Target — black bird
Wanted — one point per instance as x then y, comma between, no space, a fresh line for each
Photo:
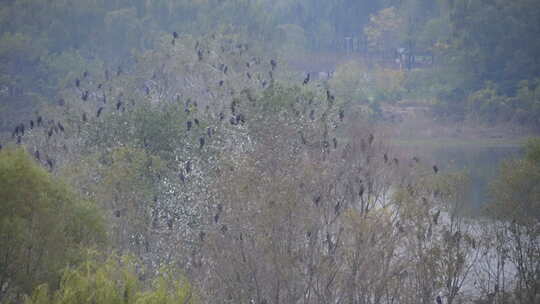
196,121
216,218
263,84
31,124
36,155
84,117
240,119
39,121
118,105
329,96
224,229
99,111
117,213
225,69
61,127
209,132
199,55
50,163
335,142
50,132
85,74
248,75
201,142
326,144
341,115
188,167
77,82
371,138
233,121
416,159
385,156
202,235
435,169
189,124
361,191
312,115
316,200
439,300
84,95
100,86
337,207
221,116
182,177
436,217
233,107
175,35
306,80
221,83
273,63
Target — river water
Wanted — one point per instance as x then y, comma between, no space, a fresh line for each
481,163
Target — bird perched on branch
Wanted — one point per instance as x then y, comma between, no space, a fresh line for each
436,217
201,142
306,80
370,139
273,63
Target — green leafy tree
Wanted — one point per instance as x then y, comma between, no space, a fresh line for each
515,210
43,225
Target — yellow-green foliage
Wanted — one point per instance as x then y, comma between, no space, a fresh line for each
43,224
354,82
533,150
351,82
383,30
516,191
114,281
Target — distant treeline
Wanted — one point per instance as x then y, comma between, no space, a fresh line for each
486,51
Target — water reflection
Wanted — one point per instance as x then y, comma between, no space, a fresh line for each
481,163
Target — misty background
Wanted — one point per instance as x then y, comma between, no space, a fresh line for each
237,151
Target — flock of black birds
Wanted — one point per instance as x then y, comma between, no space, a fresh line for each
49,129
83,90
